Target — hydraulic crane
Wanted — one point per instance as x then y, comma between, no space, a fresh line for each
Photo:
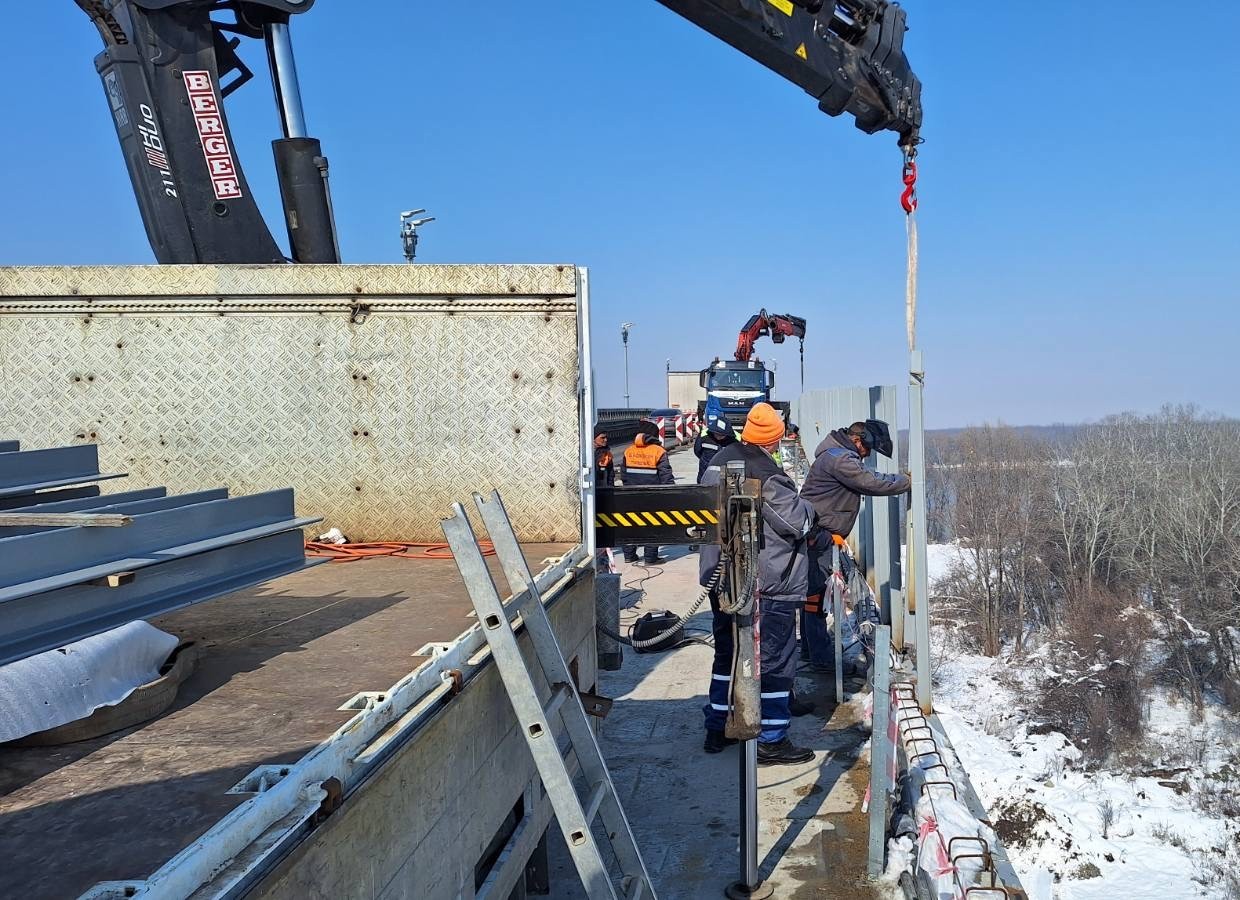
167,66
764,323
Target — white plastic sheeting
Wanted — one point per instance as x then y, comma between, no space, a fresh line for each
70,683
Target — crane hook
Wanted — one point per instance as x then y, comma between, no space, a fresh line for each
908,199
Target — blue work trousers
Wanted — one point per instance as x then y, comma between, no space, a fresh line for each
778,663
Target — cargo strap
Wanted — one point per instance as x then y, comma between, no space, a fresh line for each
563,707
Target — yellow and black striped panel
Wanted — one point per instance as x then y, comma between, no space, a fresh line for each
658,514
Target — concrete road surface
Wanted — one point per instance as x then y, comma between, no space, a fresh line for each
682,803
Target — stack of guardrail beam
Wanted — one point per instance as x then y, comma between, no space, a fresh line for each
621,424
60,583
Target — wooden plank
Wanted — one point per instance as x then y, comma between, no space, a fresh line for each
65,519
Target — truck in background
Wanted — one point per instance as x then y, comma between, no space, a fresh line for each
685,391
732,388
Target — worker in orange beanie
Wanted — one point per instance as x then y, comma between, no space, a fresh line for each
783,578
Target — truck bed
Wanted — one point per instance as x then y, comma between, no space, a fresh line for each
278,662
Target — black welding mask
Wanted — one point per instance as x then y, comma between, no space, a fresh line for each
878,437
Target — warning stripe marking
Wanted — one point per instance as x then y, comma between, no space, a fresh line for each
658,518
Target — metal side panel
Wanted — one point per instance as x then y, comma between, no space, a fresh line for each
383,393
168,282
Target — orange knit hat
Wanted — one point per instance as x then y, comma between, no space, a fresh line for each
763,425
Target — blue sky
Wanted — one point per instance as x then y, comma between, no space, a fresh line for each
1079,185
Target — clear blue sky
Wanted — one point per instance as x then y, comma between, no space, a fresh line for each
1079,185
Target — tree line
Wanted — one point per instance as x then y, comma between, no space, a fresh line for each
1116,549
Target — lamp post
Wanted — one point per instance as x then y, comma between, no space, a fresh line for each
624,336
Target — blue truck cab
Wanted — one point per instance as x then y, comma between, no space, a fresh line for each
733,387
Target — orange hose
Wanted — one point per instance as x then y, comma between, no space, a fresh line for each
397,549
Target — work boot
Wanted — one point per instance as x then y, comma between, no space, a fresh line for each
782,753
798,707
630,559
653,561
717,741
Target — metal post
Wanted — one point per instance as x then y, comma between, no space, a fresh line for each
586,416
837,610
750,885
880,751
284,79
917,550
624,336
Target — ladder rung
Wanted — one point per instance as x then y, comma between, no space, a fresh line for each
559,694
596,800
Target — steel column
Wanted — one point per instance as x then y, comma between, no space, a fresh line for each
917,550
880,751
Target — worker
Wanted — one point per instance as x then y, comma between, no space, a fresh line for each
783,570
604,462
645,463
718,434
837,481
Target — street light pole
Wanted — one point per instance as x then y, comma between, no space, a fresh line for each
624,336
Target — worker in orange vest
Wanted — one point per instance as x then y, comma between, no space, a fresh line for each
645,463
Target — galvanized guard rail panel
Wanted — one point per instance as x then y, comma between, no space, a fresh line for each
819,412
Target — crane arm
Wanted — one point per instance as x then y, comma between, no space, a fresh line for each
764,323
164,60
847,54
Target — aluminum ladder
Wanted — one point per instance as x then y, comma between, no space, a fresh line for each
533,717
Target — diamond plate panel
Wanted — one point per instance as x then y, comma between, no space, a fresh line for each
287,281
379,425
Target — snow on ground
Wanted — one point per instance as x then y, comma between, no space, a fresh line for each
1051,813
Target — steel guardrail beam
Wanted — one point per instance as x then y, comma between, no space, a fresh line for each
28,471
37,622
50,560
31,501
155,500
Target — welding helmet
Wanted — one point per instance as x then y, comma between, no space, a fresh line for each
874,434
877,437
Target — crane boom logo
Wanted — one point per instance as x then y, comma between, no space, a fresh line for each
210,123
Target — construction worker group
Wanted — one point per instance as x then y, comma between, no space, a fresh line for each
795,563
